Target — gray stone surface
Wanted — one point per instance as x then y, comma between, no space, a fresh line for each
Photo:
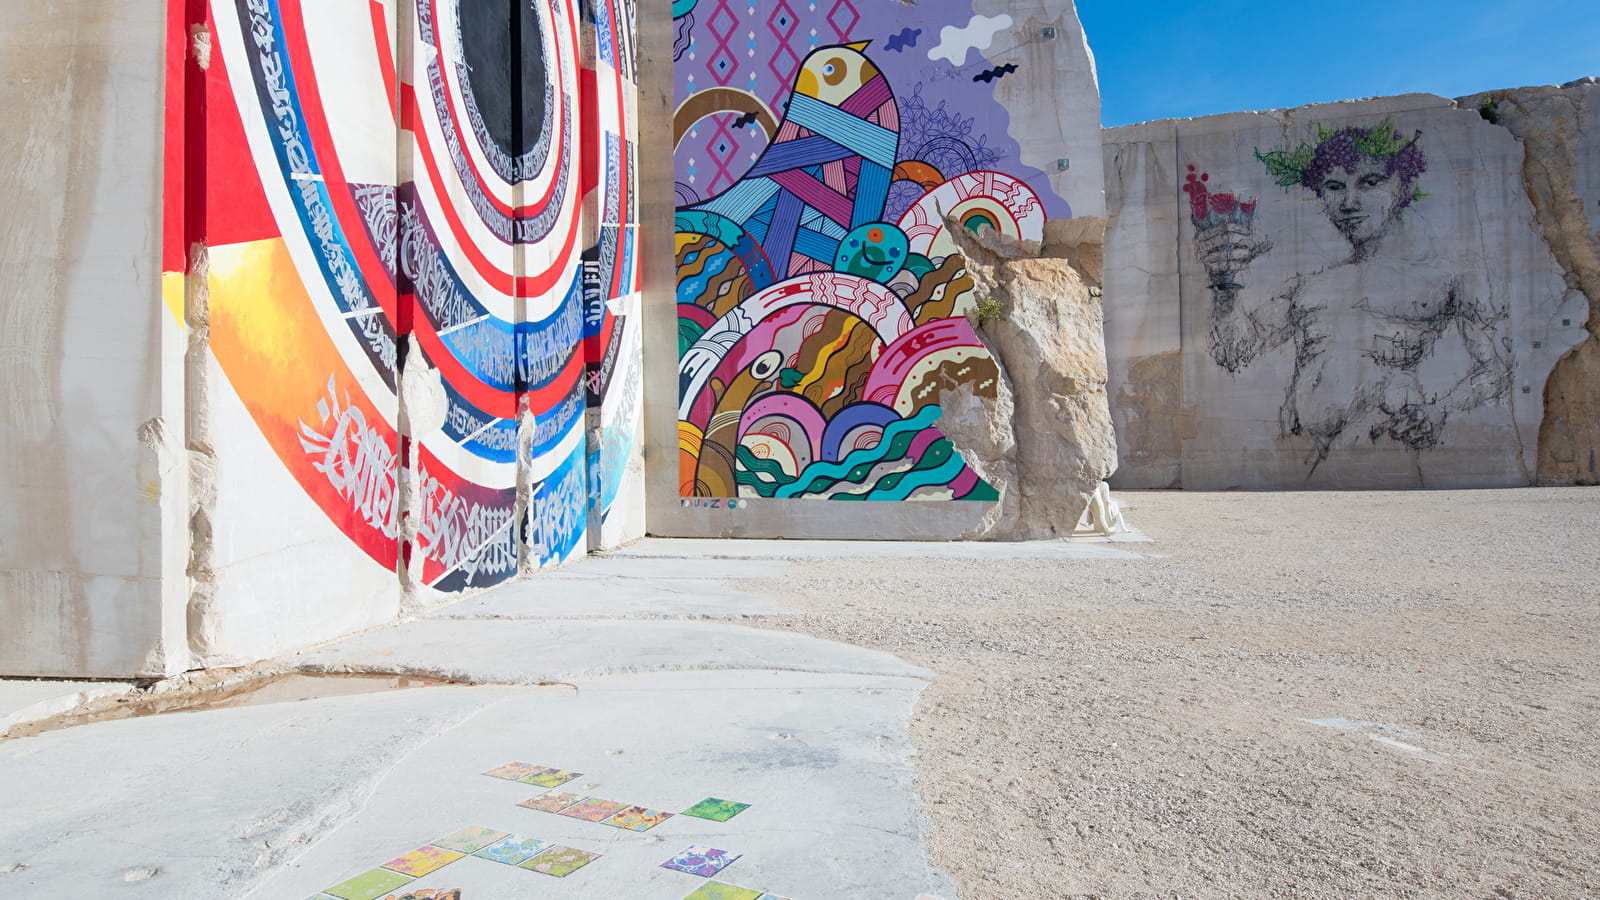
1047,443
1298,352
91,505
525,652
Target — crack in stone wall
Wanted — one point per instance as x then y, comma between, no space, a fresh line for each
203,614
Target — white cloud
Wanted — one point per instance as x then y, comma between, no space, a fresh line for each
955,44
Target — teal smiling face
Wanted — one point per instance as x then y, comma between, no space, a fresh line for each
877,251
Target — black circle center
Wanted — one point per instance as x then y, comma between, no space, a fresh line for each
504,52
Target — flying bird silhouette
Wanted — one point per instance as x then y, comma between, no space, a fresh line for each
825,175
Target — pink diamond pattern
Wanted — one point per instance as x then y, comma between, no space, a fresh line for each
844,18
783,23
723,65
722,146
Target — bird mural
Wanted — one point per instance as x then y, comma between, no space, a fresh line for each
816,335
824,176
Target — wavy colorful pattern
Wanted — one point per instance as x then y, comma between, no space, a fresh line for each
821,302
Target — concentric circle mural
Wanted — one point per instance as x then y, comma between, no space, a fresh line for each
418,223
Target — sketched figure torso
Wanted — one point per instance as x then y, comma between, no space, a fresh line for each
1370,365
1386,345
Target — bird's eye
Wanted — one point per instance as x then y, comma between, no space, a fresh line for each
828,69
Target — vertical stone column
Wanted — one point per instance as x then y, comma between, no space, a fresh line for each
93,539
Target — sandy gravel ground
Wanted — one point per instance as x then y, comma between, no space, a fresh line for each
1130,729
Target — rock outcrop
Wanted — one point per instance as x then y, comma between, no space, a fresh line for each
1047,441
1556,126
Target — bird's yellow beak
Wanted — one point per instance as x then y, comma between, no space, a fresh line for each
859,46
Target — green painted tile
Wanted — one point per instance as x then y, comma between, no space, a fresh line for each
370,885
716,810
423,861
716,890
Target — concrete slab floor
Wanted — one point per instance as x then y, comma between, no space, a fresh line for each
288,799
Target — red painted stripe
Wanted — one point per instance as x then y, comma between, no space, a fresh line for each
174,151
525,286
488,398
385,47
496,277
236,201
316,123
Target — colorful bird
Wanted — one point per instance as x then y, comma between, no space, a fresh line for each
821,181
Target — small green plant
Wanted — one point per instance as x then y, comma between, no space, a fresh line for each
990,310
1489,109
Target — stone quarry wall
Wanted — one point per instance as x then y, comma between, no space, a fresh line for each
91,364
1398,292
350,324
858,183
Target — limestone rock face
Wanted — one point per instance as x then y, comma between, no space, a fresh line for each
1048,443
1561,167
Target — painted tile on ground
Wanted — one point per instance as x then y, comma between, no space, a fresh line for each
369,885
702,861
470,839
551,801
422,860
515,770
771,897
429,894
513,850
637,818
715,809
549,778
560,861
716,890
591,810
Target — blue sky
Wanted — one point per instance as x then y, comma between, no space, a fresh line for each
1164,59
